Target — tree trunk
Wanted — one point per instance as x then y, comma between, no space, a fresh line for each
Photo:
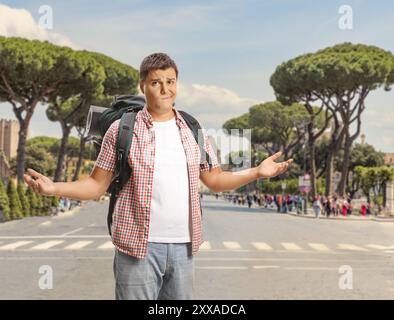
313,171
67,162
22,135
80,158
329,174
62,152
21,151
312,160
332,150
345,166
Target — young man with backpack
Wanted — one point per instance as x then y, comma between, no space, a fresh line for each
156,226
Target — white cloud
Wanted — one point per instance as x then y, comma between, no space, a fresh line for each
212,105
20,23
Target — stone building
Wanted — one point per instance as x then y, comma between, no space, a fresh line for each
8,145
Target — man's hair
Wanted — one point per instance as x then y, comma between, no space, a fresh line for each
156,61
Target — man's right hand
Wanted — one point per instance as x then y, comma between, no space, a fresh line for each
40,184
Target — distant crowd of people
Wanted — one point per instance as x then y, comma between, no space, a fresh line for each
336,205
322,206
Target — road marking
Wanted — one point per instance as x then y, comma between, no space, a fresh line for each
14,245
289,246
47,245
379,247
107,245
205,246
311,268
231,245
348,246
68,233
78,245
55,237
261,246
223,268
266,267
319,247
45,224
103,242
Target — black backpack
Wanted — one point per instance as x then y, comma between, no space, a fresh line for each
125,108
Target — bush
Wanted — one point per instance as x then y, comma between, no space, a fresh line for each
47,201
15,204
24,200
55,201
40,205
4,202
32,198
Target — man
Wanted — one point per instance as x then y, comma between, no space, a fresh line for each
157,219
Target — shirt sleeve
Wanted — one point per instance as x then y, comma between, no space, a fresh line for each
107,157
211,152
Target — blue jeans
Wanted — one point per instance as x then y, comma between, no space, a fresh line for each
166,273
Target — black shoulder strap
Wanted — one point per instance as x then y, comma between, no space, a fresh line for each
122,169
195,127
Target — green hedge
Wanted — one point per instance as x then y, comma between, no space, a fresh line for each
4,202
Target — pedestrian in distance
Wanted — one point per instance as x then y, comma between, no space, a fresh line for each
317,207
249,200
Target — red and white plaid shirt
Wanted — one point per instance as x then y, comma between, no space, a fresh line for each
130,226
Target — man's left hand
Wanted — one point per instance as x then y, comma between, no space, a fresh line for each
269,168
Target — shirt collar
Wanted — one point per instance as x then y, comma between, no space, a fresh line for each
147,117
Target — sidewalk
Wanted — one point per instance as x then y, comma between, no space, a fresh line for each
352,217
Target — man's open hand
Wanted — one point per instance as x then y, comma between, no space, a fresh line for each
40,184
269,168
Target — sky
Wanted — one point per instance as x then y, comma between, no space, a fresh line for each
225,50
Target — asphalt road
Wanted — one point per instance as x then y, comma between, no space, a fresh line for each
247,254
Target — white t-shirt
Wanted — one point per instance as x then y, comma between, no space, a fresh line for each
169,217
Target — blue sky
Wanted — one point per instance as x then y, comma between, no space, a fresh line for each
225,50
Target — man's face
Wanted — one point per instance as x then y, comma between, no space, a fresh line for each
159,88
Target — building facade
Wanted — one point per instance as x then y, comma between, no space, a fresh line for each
9,130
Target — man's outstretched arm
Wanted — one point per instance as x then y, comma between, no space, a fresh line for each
218,180
90,188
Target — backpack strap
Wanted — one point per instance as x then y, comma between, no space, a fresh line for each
122,168
195,127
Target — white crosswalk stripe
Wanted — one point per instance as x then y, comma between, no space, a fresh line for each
205,246
15,245
379,247
290,246
266,267
107,245
78,245
232,245
352,247
47,245
35,244
262,246
45,224
319,247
